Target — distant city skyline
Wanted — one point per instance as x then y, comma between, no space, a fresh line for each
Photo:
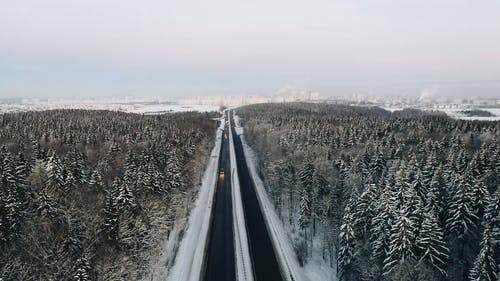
93,48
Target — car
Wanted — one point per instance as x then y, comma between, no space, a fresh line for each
221,173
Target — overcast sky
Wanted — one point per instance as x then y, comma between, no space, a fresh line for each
207,47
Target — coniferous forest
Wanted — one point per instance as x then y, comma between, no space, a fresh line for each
92,195
408,195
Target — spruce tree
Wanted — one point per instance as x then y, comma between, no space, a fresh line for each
485,267
82,270
401,245
110,215
430,243
347,242
461,217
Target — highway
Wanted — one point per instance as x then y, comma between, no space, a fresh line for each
220,256
220,261
265,264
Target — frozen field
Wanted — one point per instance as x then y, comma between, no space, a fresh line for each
125,107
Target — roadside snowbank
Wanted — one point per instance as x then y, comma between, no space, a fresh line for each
188,262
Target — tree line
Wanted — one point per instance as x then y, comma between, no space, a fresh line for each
409,195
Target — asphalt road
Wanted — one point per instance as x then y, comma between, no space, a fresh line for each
266,267
220,263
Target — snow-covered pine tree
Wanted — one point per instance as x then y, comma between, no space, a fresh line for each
110,216
173,171
306,175
304,210
54,172
430,243
82,270
306,178
10,215
377,164
381,224
461,218
364,211
492,216
347,242
401,245
480,196
485,267
125,198
419,186
96,179
436,197
428,170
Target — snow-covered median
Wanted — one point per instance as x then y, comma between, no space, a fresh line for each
188,263
244,270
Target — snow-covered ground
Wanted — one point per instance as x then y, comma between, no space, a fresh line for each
145,108
316,269
458,113
189,258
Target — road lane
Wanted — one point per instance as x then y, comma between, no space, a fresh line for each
265,264
220,263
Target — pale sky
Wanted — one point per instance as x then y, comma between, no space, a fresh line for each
178,48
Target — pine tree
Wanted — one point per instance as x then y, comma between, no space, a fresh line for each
419,186
401,245
82,270
306,175
436,198
480,196
492,216
485,267
306,178
365,209
13,215
95,179
431,164
125,198
381,225
54,172
430,242
173,171
304,209
347,242
461,216
377,164
110,214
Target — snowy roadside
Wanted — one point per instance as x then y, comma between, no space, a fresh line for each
188,262
244,270
315,268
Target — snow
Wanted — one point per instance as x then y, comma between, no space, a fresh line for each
243,262
238,129
457,113
315,269
142,108
188,264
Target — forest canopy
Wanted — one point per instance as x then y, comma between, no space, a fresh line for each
409,195
92,195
